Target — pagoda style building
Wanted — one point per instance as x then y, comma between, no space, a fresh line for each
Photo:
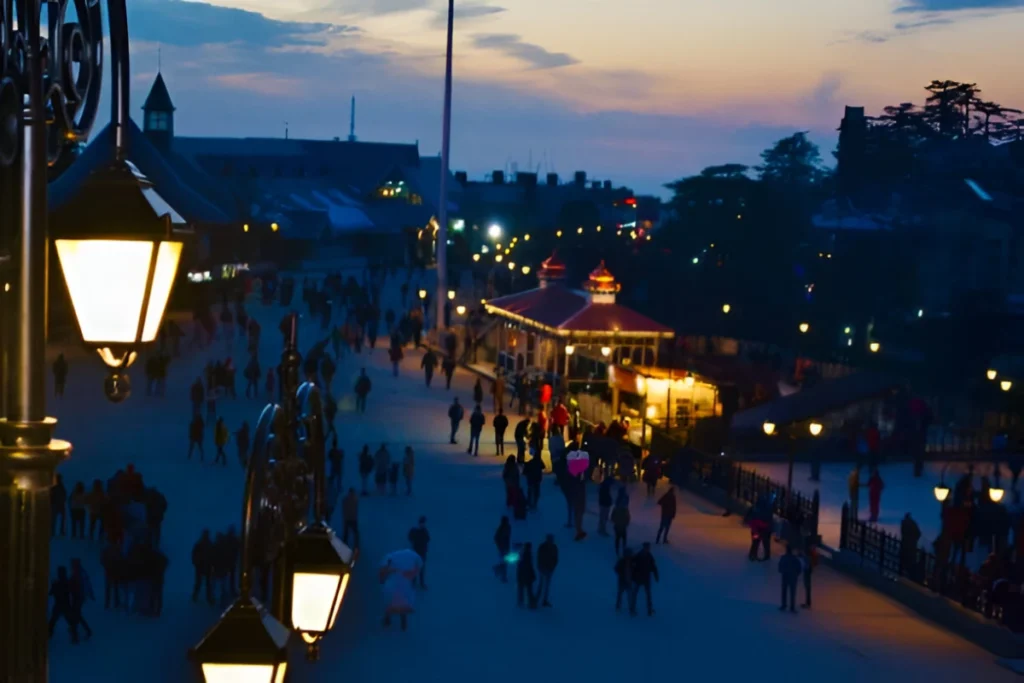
546,326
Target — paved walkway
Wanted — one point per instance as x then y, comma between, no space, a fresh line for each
717,613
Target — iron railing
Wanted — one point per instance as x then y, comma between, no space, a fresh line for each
883,551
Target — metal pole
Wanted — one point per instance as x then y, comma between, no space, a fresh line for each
28,457
442,213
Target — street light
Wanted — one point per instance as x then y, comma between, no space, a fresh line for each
274,227
874,347
526,237
494,231
726,308
815,428
476,257
769,428
320,574
995,493
606,351
422,294
1005,385
558,233
941,493
451,295
991,374
526,270
569,349
511,265
247,645
460,309
804,327
579,230
498,258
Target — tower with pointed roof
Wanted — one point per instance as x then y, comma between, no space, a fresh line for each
602,285
158,115
552,270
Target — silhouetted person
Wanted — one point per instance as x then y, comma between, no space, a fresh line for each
350,518
500,424
58,507
503,542
789,568
547,560
525,576
624,573
419,539
195,436
455,415
60,591
429,364
521,432
202,562
476,428
644,567
363,386
667,503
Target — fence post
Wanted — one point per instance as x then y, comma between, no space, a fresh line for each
844,525
883,538
815,505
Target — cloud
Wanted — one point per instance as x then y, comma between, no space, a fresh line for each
958,5
377,7
261,83
534,55
465,12
175,22
924,22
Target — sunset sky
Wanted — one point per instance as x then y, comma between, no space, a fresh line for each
640,92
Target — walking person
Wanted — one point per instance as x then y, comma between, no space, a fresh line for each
362,388
525,576
604,504
195,436
77,507
419,539
533,471
448,368
500,424
408,469
350,518
60,591
620,519
81,592
789,568
202,564
395,355
429,364
809,564
455,415
366,467
503,542
579,505
521,433
644,567
220,439
476,427
498,392
58,507
478,392
667,503
335,458
547,561
624,574
381,465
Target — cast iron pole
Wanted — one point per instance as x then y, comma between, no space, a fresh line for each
442,213
28,456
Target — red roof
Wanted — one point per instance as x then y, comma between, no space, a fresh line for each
612,318
550,306
563,309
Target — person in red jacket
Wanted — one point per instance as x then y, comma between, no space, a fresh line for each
559,419
545,395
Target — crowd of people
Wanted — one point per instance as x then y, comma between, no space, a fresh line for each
125,517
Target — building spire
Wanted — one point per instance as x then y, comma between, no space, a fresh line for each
352,121
159,59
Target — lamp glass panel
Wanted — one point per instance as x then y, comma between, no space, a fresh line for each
107,283
337,603
281,668
311,600
168,255
239,673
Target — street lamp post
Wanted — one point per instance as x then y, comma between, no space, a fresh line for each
310,566
442,210
49,97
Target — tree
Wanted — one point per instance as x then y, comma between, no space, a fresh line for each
793,161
